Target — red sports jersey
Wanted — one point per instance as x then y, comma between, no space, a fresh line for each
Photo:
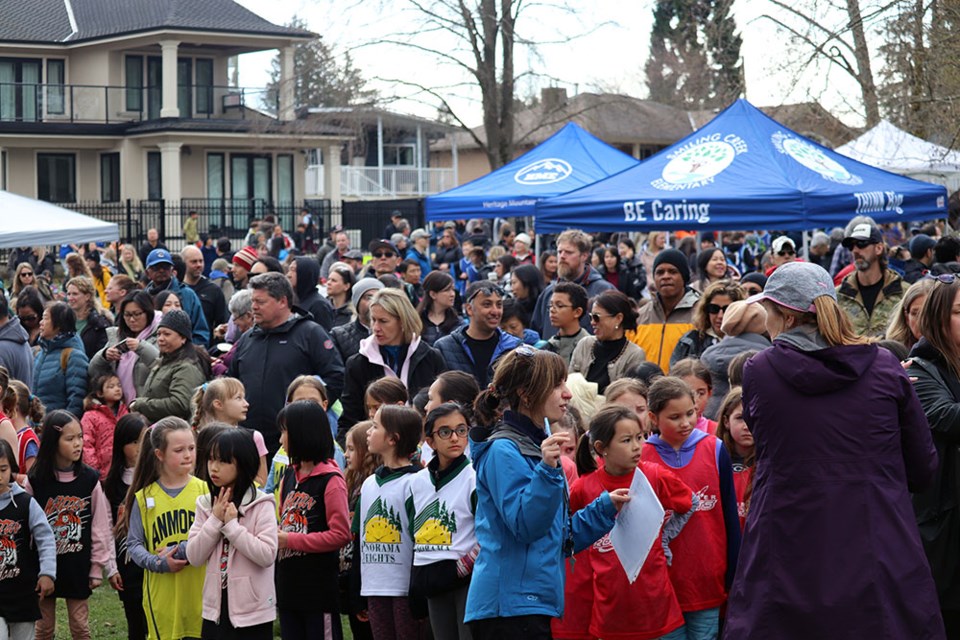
700,551
741,480
648,608
577,601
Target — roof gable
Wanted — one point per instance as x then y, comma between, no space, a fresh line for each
48,21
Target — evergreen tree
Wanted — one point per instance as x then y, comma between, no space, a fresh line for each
694,58
322,78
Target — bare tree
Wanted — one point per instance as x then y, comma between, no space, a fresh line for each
480,39
843,43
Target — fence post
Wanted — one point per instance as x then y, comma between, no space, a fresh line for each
163,221
130,223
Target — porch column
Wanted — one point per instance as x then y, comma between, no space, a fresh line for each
169,108
170,172
287,106
331,174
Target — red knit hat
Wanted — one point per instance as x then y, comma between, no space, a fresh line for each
245,258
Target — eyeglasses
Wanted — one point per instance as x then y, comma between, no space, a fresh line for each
715,308
163,266
596,317
486,288
132,315
786,252
945,278
444,433
384,254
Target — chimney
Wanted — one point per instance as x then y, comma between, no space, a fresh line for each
553,98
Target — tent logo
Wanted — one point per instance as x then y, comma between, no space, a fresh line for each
546,171
696,165
813,158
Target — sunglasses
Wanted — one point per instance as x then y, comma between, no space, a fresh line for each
26,273
29,318
859,244
945,278
596,317
486,289
715,308
384,254
786,252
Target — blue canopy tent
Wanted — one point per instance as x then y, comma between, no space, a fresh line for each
567,160
743,170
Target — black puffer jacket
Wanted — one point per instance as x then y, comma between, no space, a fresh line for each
308,298
347,337
94,334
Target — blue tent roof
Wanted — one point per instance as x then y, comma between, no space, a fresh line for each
743,170
567,160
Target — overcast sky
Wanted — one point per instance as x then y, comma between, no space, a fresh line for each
611,58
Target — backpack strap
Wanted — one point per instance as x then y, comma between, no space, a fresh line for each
64,358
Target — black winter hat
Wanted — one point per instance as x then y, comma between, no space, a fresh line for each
177,320
675,258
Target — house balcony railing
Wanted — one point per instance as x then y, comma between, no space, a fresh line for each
97,104
383,182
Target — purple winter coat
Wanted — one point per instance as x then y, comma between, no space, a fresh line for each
831,547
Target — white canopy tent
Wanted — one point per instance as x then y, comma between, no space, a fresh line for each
892,149
25,222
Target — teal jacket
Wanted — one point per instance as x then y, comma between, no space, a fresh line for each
522,524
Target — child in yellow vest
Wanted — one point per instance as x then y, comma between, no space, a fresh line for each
160,509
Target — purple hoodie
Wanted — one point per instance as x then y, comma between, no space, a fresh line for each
831,547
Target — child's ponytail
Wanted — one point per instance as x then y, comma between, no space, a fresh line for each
197,406
586,462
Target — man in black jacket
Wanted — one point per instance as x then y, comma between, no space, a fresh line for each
281,346
212,302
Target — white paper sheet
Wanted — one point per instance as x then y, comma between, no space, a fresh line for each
637,527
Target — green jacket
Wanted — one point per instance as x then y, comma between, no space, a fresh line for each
871,325
169,387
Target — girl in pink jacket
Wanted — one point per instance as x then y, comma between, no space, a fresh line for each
235,535
101,410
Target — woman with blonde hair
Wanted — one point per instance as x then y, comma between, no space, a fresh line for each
92,323
130,263
77,266
24,276
841,443
394,348
905,324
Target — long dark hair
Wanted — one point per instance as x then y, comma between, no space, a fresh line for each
143,300
236,446
532,279
129,429
435,282
308,432
44,468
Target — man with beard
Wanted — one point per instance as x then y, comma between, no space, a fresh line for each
573,265
870,295
669,315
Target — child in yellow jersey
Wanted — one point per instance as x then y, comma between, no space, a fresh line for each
160,509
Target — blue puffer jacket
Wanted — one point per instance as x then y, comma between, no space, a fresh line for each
521,525
56,388
457,354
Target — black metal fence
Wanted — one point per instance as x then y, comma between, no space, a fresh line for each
232,218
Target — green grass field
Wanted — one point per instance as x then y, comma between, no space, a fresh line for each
107,620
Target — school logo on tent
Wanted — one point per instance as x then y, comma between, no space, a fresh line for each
813,158
696,164
434,526
546,171
382,524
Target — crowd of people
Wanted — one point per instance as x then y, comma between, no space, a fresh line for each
434,438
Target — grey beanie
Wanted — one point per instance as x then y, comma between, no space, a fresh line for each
362,286
177,320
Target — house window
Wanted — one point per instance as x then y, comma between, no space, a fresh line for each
56,77
204,85
19,84
110,177
185,87
57,177
400,155
133,70
154,176
216,180
284,179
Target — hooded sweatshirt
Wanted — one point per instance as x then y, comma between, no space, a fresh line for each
15,352
308,298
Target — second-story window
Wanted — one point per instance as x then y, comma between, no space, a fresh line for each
133,74
204,77
56,78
